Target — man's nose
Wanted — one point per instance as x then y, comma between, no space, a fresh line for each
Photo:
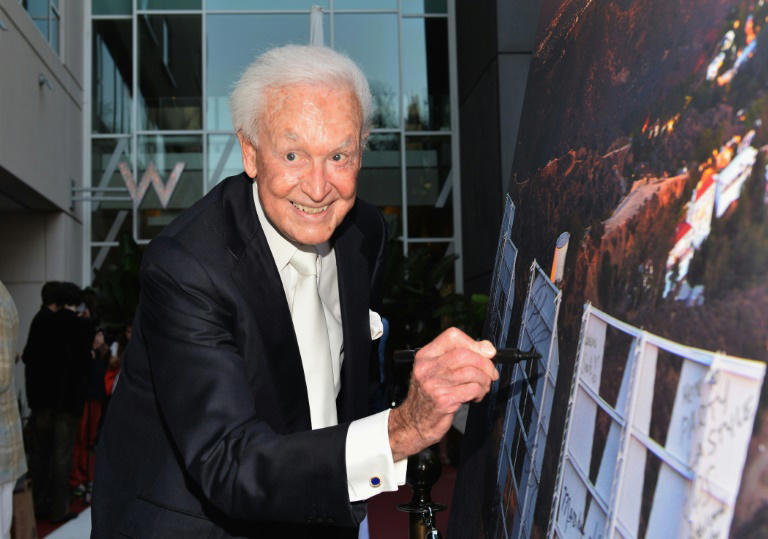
316,184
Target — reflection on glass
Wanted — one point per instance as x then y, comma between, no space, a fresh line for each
368,4
111,7
169,4
109,224
428,177
110,256
425,6
54,37
233,41
287,5
170,72
379,180
371,41
112,82
108,158
110,218
432,255
38,11
171,168
426,102
223,158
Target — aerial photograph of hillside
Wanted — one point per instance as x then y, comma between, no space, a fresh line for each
644,135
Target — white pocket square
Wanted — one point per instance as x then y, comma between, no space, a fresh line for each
377,327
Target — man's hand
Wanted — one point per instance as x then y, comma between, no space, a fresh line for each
451,370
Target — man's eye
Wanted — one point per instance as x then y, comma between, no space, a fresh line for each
290,156
337,157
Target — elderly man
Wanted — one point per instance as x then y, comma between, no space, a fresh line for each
241,405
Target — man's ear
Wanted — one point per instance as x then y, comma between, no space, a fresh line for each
248,152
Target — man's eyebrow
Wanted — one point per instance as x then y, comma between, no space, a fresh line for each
290,135
349,141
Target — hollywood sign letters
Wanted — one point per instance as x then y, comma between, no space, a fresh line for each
699,464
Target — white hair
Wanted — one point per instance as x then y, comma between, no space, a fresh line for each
294,64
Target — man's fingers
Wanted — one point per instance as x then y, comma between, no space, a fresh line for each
453,348
446,400
453,369
470,374
444,387
454,338
456,362
472,391
461,359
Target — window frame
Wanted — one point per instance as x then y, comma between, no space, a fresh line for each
453,243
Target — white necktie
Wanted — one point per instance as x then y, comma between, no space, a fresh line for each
312,335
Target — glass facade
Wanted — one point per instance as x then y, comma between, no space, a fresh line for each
46,16
161,134
112,75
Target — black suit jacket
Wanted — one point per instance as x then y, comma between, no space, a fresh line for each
57,357
208,433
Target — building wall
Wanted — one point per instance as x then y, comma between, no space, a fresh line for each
37,247
495,43
41,138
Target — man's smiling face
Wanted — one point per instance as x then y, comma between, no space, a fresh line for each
308,154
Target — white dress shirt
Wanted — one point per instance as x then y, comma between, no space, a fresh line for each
370,468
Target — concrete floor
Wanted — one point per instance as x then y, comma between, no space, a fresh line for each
77,528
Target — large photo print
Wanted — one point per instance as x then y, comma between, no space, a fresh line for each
644,136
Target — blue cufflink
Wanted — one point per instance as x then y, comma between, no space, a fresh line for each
375,482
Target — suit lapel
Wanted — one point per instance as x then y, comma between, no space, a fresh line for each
353,295
256,276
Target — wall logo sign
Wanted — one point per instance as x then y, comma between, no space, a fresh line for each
151,177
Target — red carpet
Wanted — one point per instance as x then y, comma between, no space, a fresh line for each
386,522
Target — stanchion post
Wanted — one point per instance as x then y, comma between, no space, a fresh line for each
424,470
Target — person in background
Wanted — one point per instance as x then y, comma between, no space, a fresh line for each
56,358
40,346
40,351
13,464
112,374
95,393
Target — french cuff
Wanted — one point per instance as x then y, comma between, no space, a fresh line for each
370,468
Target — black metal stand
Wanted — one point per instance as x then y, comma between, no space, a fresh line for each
424,470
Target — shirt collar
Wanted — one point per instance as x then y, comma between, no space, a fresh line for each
281,248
